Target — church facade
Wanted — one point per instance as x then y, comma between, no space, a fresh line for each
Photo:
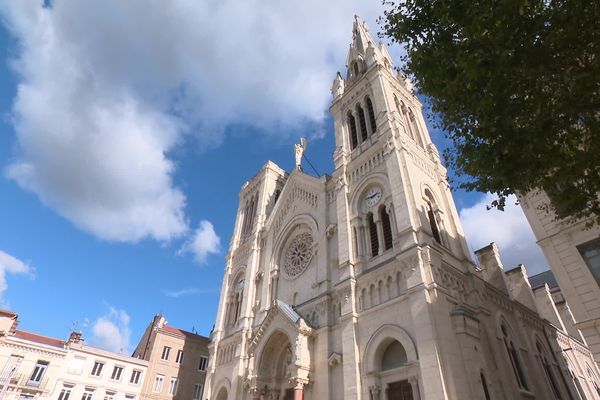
360,285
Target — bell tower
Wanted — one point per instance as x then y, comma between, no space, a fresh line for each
395,211
385,157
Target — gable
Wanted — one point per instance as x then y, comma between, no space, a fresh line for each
301,191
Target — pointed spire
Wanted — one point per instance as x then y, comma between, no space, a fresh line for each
363,51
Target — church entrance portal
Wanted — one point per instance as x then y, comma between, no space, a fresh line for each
399,391
275,368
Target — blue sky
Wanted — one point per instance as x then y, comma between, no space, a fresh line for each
127,131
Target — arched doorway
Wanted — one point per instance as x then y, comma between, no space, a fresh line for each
275,368
394,356
391,365
222,394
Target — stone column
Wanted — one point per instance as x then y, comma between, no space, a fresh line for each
299,390
374,392
390,212
414,383
359,240
379,225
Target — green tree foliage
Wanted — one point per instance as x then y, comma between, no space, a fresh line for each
516,86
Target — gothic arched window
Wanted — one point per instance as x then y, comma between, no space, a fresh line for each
435,230
373,235
387,228
548,370
371,113
414,126
405,117
249,214
236,296
352,131
355,68
593,379
363,122
513,357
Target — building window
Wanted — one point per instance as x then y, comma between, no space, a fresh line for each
590,252
548,370
135,376
414,125
65,393
593,379
373,235
514,358
352,131
371,113
109,396
249,214
362,121
88,394
355,68
38,373
165,353
179,358
431,215
97,368
158,383
197,391
129,397
173,387
116,374
387,228
203,364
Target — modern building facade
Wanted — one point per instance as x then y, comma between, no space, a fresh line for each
573,251
178,361
360,285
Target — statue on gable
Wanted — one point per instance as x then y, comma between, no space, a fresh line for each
299,149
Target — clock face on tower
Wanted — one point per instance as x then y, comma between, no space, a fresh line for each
373,196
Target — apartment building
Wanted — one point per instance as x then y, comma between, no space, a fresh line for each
30,363
90,373
178,361
572,249
35,366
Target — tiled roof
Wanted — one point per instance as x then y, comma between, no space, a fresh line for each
34,337
547,277
8,313
182,332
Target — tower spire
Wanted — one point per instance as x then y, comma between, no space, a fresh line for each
364,51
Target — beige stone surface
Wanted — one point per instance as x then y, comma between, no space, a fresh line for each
385,297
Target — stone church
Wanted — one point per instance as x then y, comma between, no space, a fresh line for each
360,285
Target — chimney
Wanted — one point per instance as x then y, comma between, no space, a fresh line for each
75,338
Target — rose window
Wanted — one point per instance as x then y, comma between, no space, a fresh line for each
298,255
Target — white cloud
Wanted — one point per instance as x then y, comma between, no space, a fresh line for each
10,265
107,89
509,229
112,332
203,242
188,291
